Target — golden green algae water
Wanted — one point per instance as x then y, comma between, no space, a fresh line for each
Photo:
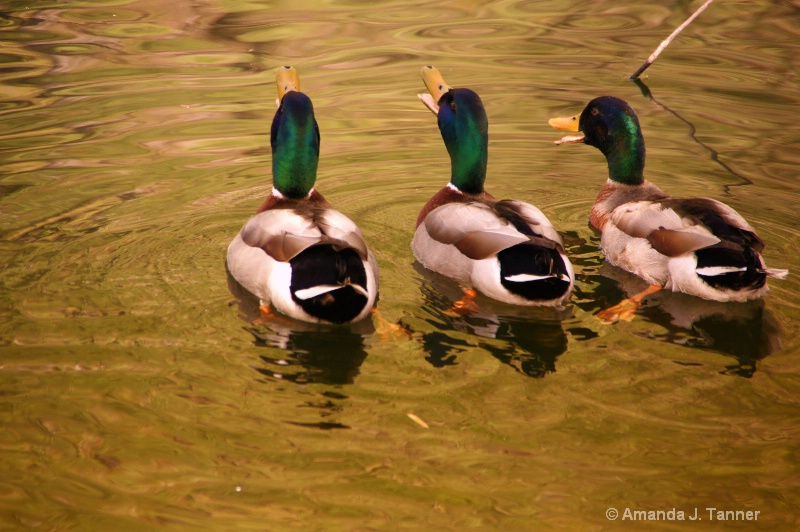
135,392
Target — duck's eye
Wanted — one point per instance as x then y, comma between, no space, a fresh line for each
453,106
595,111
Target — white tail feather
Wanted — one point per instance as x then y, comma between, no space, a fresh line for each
718,270
777,273
314,291
721,270
526,277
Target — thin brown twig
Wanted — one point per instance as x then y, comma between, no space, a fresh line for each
668,40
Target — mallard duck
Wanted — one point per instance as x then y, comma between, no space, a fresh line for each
297,253
508,249
699,246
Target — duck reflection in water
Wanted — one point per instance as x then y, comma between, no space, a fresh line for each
529,339
745,331
312,353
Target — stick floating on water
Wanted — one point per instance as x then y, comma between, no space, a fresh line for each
668,40
418,420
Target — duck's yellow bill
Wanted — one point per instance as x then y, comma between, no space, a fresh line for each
435,84
287,80
567,123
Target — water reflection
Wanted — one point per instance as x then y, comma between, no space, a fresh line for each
310,353
746,332
309,357
102,100
528,339
692,132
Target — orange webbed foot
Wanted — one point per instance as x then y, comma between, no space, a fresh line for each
267,315
387,330
626,309
465,305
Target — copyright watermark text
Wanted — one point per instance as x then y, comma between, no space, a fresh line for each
695,514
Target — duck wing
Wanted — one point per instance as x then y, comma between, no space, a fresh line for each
665,225
340,230
285,233
475,229
720,219
534,222
281,233
480,230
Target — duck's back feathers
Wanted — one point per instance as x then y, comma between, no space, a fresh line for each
640,218
507,249
674,243
706,247
282,233
450,194
475,229
312,258
720,219
535,222
338,227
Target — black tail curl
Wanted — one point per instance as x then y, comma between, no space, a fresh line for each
752,277
529,258
323,265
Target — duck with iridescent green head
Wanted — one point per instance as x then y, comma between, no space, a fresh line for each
698,246
297,253
508,249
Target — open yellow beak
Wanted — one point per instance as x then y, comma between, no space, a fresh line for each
567,123
436,86
287,79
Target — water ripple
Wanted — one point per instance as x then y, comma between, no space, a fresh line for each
136,143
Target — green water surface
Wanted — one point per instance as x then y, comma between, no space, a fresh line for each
136,393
